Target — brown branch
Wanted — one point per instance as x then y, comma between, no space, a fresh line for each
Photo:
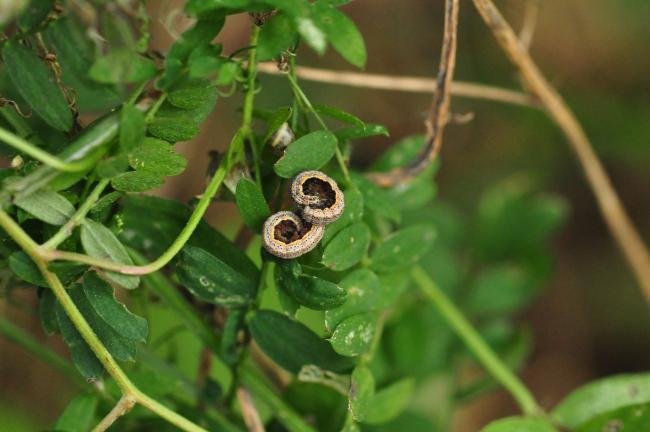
531,13
409,84
611,207
439,112
123,406
249,411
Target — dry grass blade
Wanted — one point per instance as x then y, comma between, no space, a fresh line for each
610,205
439,112
409,84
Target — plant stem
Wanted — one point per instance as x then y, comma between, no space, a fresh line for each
249,98
475,343
123,406
158,284
95,344
66,230
27,341
42,156
339,156
169,254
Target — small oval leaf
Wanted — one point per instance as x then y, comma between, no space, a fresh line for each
309,152
353,336
252,205
214,281
100,242
292,345
348,247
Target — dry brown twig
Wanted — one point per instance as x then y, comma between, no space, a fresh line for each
531,13
410,84
610,205
439,112
249,411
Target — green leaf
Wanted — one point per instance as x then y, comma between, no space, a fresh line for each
310,291
165,220
121,348
519,424
363,290
27,270
629,418
78,415
500,290
339,114
389,402
277,35
362,389
292,345
47,306
400,154
74,52
122,66
34,14
341,32
356,132
37,85
200,34
173,129
601,396
47,205
514,222
198,7
157,157
276,120
136,181
99,242
231,346
312,34
348,247
132,128
403,248
212,280
251,204
191,95
353,212
375,198
83,358
309,152
113,166
354,335
115,314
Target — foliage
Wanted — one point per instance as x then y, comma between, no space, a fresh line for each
345,325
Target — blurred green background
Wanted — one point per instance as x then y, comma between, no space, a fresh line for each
590,320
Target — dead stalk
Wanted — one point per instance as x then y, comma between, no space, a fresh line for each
612,209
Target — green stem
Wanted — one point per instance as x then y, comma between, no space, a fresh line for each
155,107
249,99
159,285
112,368
42,156
66,230
27,341
298,91
169,254
485,355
